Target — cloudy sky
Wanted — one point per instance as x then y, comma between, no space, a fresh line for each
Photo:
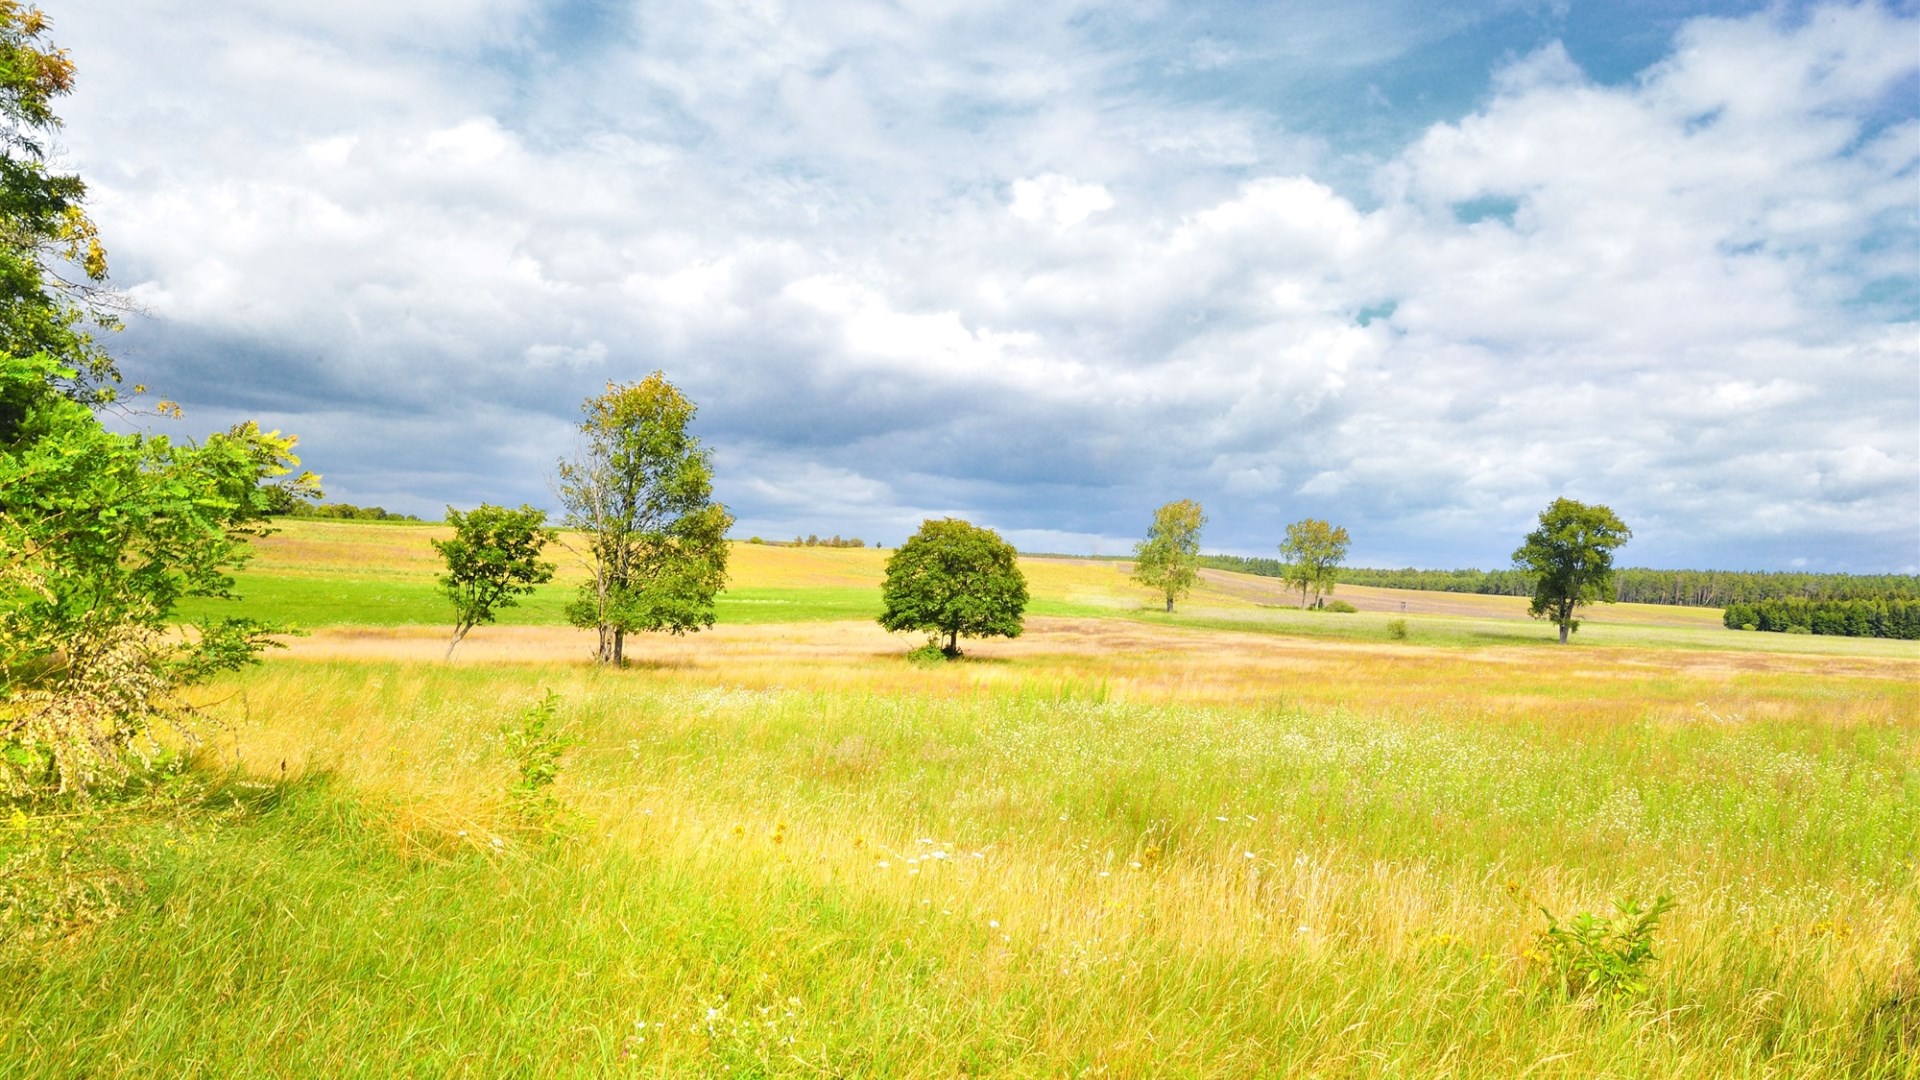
1414,268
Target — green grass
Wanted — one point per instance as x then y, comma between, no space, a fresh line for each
392,600
1271,843
1016,869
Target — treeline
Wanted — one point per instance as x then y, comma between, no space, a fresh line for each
1836,618
1494,582
811,540
341,512
1685,588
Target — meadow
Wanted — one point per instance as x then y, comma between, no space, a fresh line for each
1242,840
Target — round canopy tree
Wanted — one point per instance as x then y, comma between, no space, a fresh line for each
954,579
1570,557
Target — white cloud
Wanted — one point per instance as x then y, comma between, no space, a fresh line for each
923,261
1058,200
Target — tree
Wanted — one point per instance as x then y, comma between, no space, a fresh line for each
52,265
101,534
1570,557
1169,558
957,579
641,489
492,561
1313,553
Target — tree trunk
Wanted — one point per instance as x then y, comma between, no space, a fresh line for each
459,633
1563,633
619,646
1169,605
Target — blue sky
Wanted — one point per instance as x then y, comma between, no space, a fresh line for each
1417,269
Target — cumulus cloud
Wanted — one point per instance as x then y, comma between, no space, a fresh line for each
982,260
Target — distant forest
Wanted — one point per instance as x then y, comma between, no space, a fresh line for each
1840,618
1686,588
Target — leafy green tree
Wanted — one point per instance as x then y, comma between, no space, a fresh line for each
101,534
1313,552
641,490
1169,558
53,268
957,579
492,560
1570,557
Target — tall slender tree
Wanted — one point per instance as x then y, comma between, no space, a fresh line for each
1169,558
640,489
1313,552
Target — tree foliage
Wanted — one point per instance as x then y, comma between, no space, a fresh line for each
641,489
1313,552
955,579
1880,617
1570,557
52,265
1169,558
102,535
492,560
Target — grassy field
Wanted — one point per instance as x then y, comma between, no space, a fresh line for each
1239,841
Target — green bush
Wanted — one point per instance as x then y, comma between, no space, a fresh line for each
1605,957
1397,629
929,654
534,747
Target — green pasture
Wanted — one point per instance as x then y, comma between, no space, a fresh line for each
1030,878
1264,843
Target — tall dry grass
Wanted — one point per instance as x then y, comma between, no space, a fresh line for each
1162,853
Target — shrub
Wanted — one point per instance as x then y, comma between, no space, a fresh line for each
1605,957
1397,629
534,747
929,654
1339,607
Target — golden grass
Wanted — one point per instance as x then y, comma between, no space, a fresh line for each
1192,852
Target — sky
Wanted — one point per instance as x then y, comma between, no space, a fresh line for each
1414,269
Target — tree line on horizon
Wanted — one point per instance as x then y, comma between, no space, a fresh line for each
1881,618
1632,585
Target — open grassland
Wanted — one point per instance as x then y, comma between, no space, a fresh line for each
341,574
1240,841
